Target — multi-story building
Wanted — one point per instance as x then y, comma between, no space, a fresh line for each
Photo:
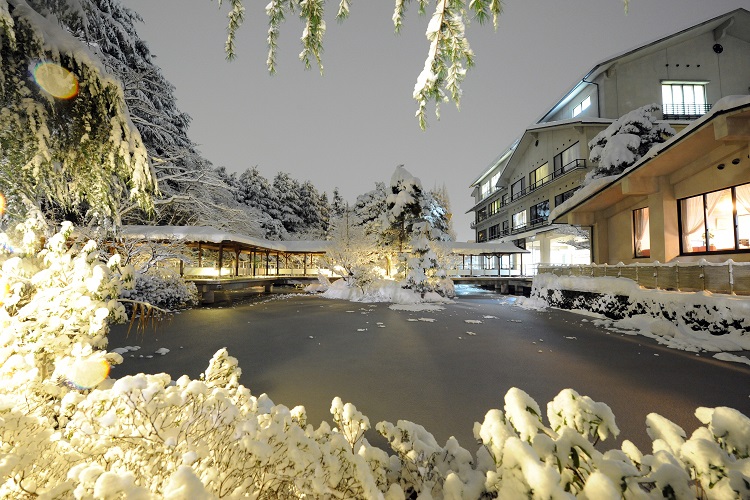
685,72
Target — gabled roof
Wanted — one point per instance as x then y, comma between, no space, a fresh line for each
694,141
735,23
205,234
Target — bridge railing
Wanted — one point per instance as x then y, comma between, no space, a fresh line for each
728,277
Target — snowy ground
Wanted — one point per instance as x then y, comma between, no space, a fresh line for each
443,368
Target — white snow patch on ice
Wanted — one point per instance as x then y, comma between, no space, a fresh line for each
725,356
416,307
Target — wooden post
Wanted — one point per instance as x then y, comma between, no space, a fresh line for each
221,257
268,260
200,255
236,261
304,264
277,263
182,268
253,261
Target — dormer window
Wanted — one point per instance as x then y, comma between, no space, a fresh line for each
684,100
582,106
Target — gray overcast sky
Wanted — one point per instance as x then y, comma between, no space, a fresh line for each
351,127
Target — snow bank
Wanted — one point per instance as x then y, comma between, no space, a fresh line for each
382,290
690,321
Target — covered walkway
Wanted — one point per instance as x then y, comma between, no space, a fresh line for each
220,254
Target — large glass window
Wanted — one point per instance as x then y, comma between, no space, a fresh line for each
716,221
641,235
519,220
560,198
540,212
539,176
505,227
567,160
683,99
516,189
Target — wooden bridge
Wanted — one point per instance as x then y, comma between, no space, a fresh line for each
229,262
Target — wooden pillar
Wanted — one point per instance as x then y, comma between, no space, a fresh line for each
236,261
200,255
268,260
499,258
221,257
304,264
252,260
286,263
463,262
471,265
277,263
182,268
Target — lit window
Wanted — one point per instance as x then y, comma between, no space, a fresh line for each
519,220
717,221
581,107
539,176
684,99
641,236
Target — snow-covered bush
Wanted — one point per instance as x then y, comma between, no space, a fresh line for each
67,431
163,289
627,140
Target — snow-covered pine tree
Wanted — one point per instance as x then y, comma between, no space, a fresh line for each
370,208
290,204
627,140
338,205
313,210
254,191
403,204
190,190
436,211
423,271
67,142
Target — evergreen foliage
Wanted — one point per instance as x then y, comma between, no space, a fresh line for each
67,142
627,140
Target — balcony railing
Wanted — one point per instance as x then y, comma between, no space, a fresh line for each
565,169
684,111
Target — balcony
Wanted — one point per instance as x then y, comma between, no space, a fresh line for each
684,111
564,170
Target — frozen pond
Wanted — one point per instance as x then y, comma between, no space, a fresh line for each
442,369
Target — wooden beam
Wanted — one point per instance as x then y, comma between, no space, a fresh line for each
732,128
639,185
581,219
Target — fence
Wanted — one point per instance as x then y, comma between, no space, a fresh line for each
729,277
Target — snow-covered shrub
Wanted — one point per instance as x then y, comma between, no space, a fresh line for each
672,316
627,140
163,289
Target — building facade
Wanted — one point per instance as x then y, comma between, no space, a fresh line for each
688,202
685,72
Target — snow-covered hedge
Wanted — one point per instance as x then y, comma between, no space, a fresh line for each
684,320
68,431
163,289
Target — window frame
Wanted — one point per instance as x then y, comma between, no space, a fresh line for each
582,106
525,223
682,109
706,227
645,232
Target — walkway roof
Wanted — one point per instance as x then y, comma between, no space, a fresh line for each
214,237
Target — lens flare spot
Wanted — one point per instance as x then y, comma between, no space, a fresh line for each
88,373
56,80
2,204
